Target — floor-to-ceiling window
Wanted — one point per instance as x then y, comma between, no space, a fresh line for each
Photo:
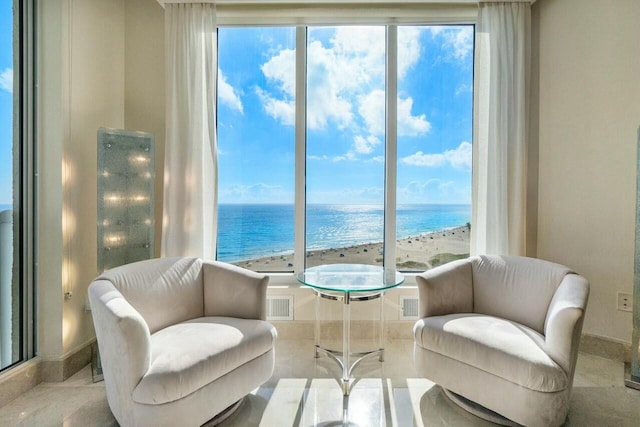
16,157
347,145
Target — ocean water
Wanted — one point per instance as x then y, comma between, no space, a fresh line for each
254,231
5,207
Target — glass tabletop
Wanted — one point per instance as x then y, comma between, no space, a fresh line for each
350,278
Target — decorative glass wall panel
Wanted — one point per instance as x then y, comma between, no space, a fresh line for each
125,197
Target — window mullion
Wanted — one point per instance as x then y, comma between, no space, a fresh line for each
300,149
390,162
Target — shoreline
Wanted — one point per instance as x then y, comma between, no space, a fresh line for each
417,253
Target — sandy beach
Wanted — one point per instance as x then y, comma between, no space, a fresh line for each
415,253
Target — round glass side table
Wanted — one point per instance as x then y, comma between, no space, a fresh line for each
349,283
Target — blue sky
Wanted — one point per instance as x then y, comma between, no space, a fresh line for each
6,100
345,115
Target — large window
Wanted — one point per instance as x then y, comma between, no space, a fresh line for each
15,170
337,112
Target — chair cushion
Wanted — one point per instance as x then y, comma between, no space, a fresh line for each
188,356
500,347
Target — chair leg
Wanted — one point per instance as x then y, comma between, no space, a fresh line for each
224,414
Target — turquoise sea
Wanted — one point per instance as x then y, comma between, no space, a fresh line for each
254,231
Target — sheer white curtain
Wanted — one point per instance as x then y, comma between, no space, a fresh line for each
189,211
501,126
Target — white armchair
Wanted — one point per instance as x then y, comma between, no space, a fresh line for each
181,340
503,333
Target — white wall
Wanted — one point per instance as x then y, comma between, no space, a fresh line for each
144,83
51,119
88,78
81,87
589,113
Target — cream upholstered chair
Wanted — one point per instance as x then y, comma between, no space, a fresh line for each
502,333
181,340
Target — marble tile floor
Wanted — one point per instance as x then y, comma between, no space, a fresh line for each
304,392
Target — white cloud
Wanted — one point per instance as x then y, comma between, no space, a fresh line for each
350,155
282,110
436,29
6,80
459,157
458,40
461,41
359,54
420,187
372,109
349,66
281,69
345,85
426,160
334,76
408,48
366,145
228,94
409,125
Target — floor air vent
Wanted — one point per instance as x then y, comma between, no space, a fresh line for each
280,307
408,308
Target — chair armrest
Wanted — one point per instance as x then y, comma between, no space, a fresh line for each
446,289
563,324
233,291
123,339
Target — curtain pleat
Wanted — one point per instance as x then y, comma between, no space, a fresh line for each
501,128
189,204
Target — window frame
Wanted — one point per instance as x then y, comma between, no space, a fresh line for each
24,187
28,208
390,15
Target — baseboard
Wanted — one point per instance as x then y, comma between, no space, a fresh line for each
27,375
19,380
68,365
605,347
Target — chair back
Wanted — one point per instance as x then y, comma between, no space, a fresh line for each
515,288
165,291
